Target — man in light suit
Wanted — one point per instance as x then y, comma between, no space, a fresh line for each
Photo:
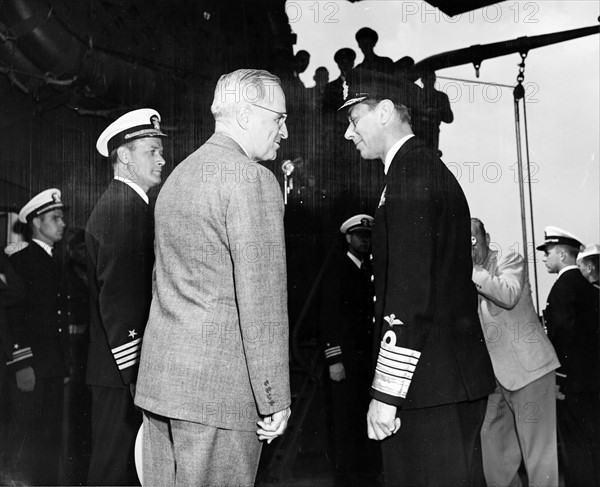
119,239
215,355
521,413
433,372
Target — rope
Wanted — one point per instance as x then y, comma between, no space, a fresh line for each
519,94
535,274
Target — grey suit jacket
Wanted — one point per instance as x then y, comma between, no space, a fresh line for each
519,348
215,349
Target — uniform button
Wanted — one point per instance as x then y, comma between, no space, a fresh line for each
59,312
68,296
59,330
373,319
374,299
372,278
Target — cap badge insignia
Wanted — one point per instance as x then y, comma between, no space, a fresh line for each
56,197
155,122
345,90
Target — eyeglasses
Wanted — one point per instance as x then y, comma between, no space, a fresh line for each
280,119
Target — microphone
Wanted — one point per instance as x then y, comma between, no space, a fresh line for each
288,168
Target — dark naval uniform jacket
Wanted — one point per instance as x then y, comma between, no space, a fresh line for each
346,312
432,349
12,293
119,241
571,317
38,327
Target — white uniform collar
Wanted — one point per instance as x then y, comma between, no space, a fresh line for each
135,187
354,259
47,248
393,151
565,269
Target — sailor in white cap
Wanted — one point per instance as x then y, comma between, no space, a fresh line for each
587,261
41,344
119,241
558,236
347,331
571,317
48,200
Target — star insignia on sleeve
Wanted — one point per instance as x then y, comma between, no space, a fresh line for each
392,320
132,333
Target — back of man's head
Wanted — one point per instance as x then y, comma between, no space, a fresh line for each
477,226
570,253
301,61
590,267
244,85
366,34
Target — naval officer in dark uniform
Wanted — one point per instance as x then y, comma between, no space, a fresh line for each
119,241
433,372
571,317
40,358
347,331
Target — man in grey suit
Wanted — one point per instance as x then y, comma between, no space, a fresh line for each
214,361
521,414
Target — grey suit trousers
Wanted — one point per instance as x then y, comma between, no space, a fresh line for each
521,424
183,453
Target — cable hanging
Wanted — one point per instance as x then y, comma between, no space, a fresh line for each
519,94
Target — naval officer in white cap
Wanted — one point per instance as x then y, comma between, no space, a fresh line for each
588,263
347,329
571,316
41,346
119,241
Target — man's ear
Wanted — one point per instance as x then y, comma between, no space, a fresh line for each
36,222
487,239
385,110
123,155
242,116
348,237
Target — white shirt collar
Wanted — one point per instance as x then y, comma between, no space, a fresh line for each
354,259
135,187
565,269
47,248
393,151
